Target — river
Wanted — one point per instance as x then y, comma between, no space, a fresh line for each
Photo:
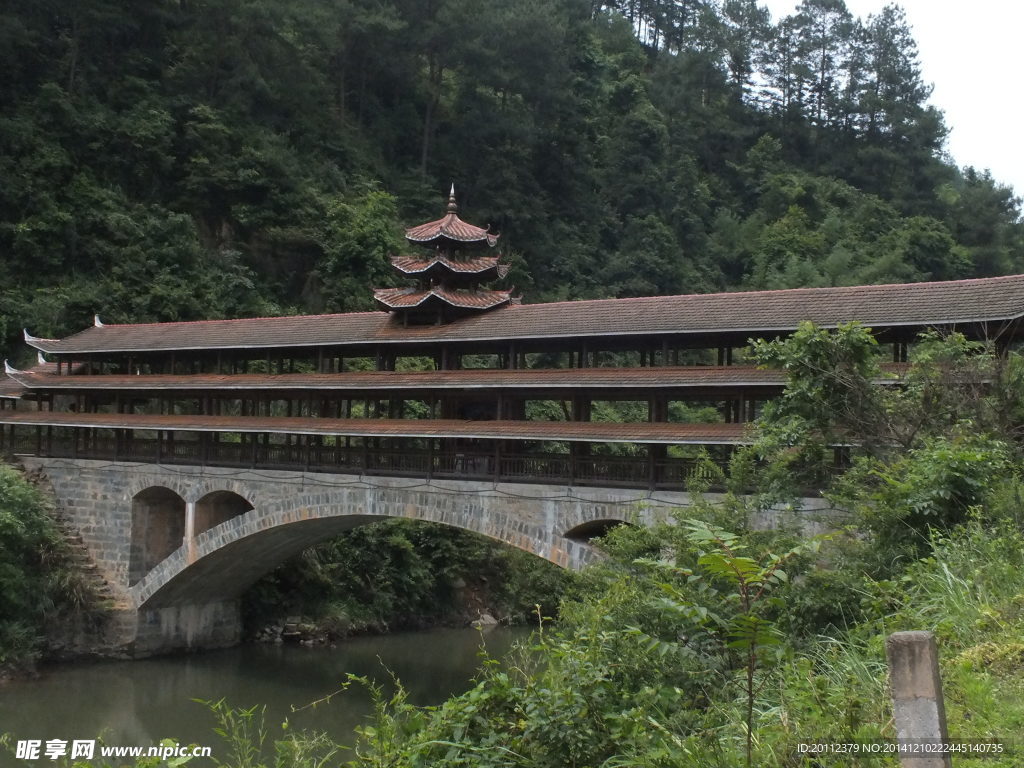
138,703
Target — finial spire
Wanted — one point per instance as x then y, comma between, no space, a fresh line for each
452,207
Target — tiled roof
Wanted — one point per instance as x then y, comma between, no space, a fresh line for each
905,304
552,378
451,227
407,298
573,431
9,388
412,265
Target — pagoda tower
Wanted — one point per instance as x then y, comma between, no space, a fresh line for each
448,273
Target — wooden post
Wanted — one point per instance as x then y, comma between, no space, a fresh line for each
574,452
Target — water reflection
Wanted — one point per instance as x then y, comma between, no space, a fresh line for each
140,702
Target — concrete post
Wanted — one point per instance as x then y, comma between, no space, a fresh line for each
190,530
917,704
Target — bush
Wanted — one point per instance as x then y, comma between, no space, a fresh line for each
34,573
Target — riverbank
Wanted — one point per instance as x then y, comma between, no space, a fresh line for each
143,701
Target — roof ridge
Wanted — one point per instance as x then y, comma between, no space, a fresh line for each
228,320
844,288
803,289
943,302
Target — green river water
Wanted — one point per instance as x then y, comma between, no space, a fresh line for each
138,703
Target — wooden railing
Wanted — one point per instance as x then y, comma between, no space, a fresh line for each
554,468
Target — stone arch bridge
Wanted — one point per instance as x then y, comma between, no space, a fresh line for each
180,544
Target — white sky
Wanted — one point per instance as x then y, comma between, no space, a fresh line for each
972,54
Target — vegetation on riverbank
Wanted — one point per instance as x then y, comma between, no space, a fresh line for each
628,679
38,580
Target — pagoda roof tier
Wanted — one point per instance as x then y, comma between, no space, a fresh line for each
410,298
480,266
915,305
490,378
450,227
572,431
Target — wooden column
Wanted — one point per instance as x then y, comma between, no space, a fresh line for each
657,453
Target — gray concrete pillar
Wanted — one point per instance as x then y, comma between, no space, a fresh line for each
917,705
190,530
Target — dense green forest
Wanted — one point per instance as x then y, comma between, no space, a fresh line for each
209,158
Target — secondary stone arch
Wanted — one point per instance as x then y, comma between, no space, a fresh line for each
157,528
592,529
218,507
222,562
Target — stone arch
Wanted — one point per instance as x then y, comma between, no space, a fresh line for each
178,484
216,479
158,529
218,507
591,529
220,564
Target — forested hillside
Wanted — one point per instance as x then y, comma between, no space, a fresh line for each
182,159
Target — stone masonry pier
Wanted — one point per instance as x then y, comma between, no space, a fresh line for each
180,544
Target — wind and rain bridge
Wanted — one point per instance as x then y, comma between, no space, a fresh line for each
193,457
